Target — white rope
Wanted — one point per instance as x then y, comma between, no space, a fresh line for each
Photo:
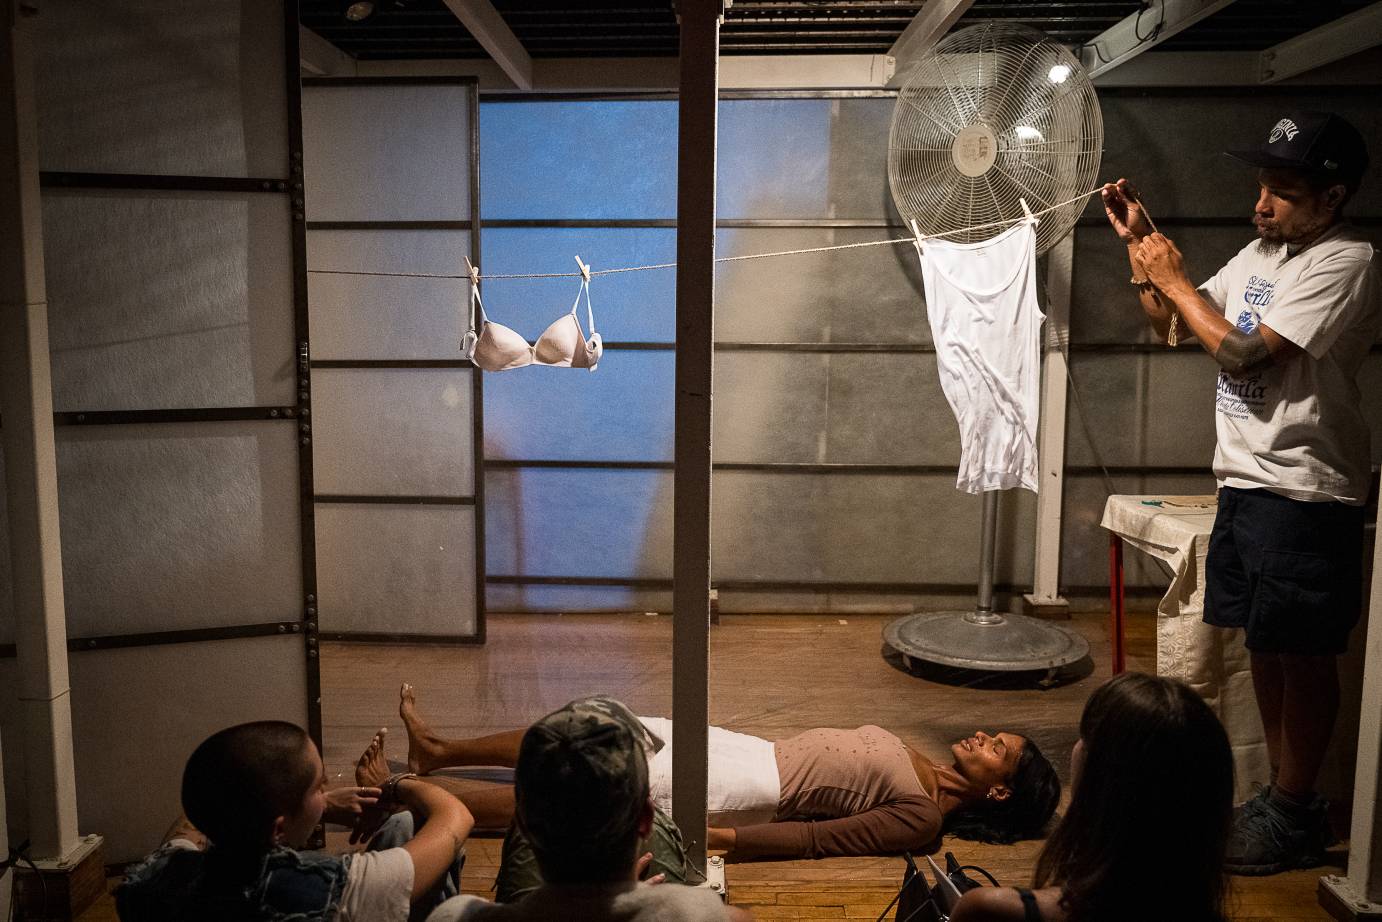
729,259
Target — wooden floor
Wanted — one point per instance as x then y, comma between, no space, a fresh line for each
771,676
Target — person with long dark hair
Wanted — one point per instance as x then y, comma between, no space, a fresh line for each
823,793
1147,827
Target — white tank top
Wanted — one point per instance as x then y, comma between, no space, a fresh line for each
981,299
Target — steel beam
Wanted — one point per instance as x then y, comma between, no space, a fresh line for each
320,58
488,28
1333,41
935,19
1143,30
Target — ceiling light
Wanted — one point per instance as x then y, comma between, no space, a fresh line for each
359,11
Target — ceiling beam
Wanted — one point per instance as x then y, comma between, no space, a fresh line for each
1333,41
488,28
320,58
1143,30
932,21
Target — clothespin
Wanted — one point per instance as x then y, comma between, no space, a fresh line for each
916,233
1027,211
585,270
474,271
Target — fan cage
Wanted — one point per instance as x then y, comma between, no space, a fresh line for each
1009,104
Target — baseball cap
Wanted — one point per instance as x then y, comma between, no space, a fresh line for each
1321,142
582,775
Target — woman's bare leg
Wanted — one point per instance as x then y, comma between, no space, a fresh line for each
428,752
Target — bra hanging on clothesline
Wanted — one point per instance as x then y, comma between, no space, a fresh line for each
495,347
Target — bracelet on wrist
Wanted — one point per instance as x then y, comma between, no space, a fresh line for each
388,791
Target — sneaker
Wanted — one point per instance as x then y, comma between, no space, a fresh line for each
1253,804
1267,840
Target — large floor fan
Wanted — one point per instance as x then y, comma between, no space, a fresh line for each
994,116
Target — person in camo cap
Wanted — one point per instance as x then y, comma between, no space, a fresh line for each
582,803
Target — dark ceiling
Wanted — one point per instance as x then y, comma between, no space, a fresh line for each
413,29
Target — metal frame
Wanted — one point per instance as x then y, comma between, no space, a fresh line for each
476,497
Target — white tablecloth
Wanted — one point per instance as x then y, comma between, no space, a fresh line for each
1213,661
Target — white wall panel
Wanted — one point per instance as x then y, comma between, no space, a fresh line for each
168,299
393,431
382,153
864,295
179,526
379,317
396,569
144,87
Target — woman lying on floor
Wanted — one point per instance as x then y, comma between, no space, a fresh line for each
821,794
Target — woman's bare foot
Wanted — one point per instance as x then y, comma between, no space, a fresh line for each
372,769
424,746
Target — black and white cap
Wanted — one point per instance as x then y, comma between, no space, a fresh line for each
1307,140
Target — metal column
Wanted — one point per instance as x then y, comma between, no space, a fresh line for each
700,48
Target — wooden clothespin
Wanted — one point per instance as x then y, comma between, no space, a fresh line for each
585,270
1027,211
916,232
474,271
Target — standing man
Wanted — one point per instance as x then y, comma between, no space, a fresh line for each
1289,320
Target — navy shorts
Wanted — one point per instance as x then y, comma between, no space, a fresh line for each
1289,572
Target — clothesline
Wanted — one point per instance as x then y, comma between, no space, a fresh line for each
722,259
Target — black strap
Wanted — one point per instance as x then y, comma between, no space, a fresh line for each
1030,911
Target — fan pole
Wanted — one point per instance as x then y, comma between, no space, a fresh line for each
988,552
980,638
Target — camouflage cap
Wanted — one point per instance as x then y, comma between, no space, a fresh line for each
582,775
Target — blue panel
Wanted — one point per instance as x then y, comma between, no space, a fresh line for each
509,598
578,523
629,306
578,159
622,411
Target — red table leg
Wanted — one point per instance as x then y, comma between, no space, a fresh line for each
1115,592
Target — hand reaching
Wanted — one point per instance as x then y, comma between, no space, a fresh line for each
345,806
1124,210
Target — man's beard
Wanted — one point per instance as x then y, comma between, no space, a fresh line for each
1269,246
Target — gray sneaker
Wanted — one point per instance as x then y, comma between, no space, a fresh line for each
1266,840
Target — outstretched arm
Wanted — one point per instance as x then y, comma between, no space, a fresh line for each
1237,352
888,829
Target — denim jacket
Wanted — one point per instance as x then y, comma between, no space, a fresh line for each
181,885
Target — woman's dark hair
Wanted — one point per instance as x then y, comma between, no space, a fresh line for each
241,779
1023,814
1156,786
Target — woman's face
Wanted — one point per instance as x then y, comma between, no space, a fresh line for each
988,762
297,827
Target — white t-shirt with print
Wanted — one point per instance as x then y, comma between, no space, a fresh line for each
1297,428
